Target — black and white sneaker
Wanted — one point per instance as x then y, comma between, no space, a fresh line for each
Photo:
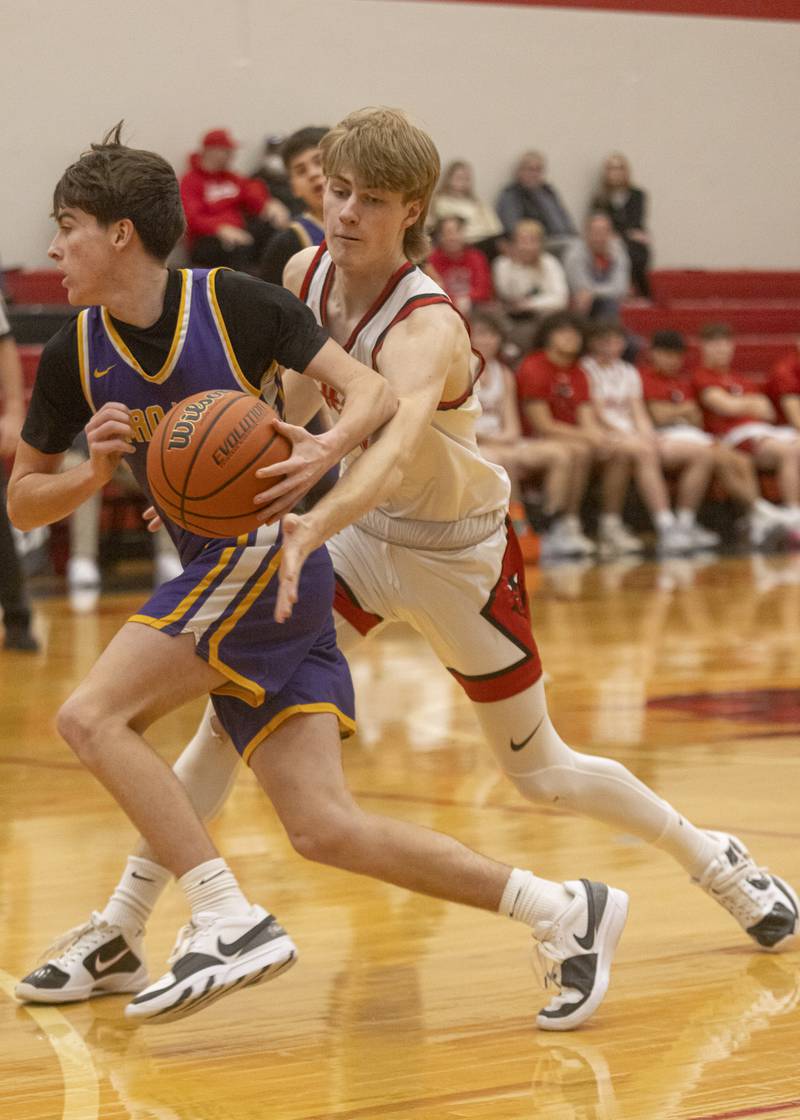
90,960
573,954
764,906
214,955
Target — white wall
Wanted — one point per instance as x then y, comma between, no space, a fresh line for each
707,109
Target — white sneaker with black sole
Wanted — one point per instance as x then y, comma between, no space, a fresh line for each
573,954
214,955
96,959
766,907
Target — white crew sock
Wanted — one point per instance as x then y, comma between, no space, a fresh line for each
686,518
531,900
610,521
690,846
664,520
137,892
212,886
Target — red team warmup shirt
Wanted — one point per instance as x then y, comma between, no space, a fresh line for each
738,384
784,382
658,387
539,379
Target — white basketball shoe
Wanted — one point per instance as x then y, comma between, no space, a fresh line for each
94,959
573,954
213,956
766,907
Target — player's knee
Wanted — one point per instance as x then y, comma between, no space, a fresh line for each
328,837
80,723
547,786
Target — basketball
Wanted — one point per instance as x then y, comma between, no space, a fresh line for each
202,460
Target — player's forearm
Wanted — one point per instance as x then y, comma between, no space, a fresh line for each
36,498
369,482
370,403
11,381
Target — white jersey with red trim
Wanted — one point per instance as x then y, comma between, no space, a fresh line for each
448,480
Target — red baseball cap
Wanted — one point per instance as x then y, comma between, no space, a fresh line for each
218,138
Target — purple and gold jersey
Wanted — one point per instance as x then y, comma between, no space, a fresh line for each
200,357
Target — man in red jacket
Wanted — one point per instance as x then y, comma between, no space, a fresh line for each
229,219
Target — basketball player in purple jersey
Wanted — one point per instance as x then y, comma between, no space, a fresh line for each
281,693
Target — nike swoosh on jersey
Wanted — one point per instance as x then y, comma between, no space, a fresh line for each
103,372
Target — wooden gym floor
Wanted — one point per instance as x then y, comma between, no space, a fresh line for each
403,1008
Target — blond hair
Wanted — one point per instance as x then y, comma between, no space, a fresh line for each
383,149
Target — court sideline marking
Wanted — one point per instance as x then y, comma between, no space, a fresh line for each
81,1090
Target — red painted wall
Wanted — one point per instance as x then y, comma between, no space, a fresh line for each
742,9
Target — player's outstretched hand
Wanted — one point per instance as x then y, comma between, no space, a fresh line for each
298,541
153,519
109,436
311,457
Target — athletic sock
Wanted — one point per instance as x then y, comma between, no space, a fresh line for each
690,846
610,521
212,886
686,518
664,520
531,900
135,895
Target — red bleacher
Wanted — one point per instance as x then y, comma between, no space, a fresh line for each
37,286
763,308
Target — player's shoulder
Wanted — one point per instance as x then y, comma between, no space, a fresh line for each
240,290
62,345
297,266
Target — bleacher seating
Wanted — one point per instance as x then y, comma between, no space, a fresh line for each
763,308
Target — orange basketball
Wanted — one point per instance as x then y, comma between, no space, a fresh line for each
202,460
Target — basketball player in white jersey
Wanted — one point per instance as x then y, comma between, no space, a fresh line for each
431,546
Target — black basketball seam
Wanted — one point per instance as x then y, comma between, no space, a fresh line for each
233,478
188,472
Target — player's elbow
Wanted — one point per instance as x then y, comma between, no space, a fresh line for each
19,517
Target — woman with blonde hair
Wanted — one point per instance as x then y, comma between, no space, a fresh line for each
455,198
626,206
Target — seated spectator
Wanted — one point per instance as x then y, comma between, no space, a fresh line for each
464,271
672,401
272,173
554,396
455,197
737,412
530,196
229,219
626,205
83,568
598,270
499,435
617,409
783,387
303,159
13,596
528,282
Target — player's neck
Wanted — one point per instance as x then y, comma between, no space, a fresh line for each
355,289
137,297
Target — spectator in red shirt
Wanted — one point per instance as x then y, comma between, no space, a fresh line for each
499,435
229,219
551,388
672,402
738,413
783,387
465,272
